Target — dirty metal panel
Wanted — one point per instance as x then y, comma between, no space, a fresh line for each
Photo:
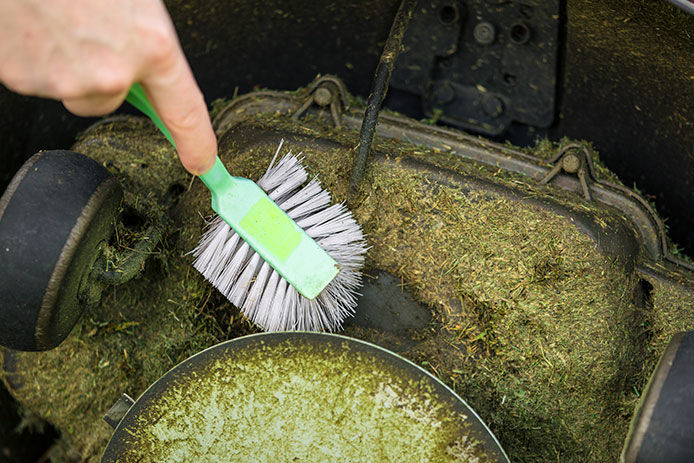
481,65
433,34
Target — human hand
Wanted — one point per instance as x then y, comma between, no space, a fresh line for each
87,53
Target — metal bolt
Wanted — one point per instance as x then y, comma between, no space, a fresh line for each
322,96
571,163
484,33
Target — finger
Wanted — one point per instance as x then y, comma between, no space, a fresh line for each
175,96
94,105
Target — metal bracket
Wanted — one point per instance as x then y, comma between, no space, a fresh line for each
116,413
482,65
327,91
573,159
133,261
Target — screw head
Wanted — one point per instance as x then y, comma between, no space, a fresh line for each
484,33
322,96
571,163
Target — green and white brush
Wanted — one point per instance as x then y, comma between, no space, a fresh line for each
286,257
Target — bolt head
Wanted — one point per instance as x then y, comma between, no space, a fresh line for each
484,33
571,163
322,96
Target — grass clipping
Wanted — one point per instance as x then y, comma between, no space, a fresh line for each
529,314
533,326
536,329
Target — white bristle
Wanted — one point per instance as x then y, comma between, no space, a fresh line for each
239,273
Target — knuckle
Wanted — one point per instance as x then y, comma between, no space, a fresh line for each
161,46
112,83
185,121
12,82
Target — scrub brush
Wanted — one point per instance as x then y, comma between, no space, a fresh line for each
288,259
259,291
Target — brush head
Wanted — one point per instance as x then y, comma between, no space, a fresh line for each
261,293
261,223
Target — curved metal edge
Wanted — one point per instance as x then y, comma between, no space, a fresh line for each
638,210
244,339
421,370
627,201
685,5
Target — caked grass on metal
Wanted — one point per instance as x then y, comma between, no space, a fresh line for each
547,339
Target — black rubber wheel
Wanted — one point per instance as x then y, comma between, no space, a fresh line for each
55,216
663,427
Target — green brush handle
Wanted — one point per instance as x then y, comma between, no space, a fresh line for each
260,222
136,97
218,179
